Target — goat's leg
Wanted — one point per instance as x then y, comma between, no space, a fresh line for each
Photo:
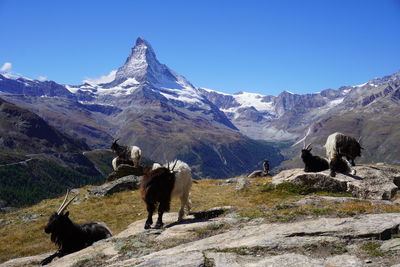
164,206
150,210
185,201
51,257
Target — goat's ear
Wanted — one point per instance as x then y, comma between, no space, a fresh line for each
310,149
66,214
361,147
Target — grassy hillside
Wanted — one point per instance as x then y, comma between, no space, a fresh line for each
260,199
36,179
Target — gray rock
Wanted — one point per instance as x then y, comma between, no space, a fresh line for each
124,170
288,259
275,238
258,173
5,222
391,245
242,182
317,200
371,182
130,182
30,217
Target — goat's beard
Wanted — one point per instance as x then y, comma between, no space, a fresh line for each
55,238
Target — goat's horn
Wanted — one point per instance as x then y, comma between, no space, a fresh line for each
173,167
115,141
307,147
62,204
66,205
167,165
304,144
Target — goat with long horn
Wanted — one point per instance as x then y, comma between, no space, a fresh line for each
69,236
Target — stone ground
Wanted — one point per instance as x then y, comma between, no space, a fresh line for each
220,237
370,182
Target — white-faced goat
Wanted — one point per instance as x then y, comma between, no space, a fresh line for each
160,184
313,163
69,236
339,145
125,155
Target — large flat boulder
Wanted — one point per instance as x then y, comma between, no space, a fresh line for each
263,244
126,183
370,182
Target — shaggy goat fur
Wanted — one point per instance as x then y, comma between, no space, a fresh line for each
70,236
160,184
338,144
313,163
338,164
125,155
118,161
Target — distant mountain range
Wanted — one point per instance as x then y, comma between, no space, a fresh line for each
147,104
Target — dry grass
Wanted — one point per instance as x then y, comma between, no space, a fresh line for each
121,209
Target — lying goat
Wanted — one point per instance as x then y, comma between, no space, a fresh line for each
125,155
160,184
339,164
313,163
69,236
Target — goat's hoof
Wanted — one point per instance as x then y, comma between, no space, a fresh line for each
333,174
353,172
147,226
158,226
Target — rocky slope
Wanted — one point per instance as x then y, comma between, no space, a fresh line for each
325,231
367,110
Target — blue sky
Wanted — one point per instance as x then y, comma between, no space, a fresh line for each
230,46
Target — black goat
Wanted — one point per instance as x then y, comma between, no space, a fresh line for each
338,164
313,163
156,187
69,236
160,184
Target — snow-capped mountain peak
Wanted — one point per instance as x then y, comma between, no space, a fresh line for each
141,62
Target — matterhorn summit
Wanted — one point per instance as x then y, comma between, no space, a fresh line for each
142,66
142,74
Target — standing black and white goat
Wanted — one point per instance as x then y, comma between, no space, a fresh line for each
125,155
313,163
339,145
160,184
69,236
342,145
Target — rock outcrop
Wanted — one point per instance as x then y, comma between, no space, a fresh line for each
370,182
229,240
129,182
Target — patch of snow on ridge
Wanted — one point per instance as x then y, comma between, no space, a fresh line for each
253,100
187,95
102,79
72,89
336,102
213,91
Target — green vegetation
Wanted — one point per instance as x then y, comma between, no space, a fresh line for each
372,249
37,179
102,159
